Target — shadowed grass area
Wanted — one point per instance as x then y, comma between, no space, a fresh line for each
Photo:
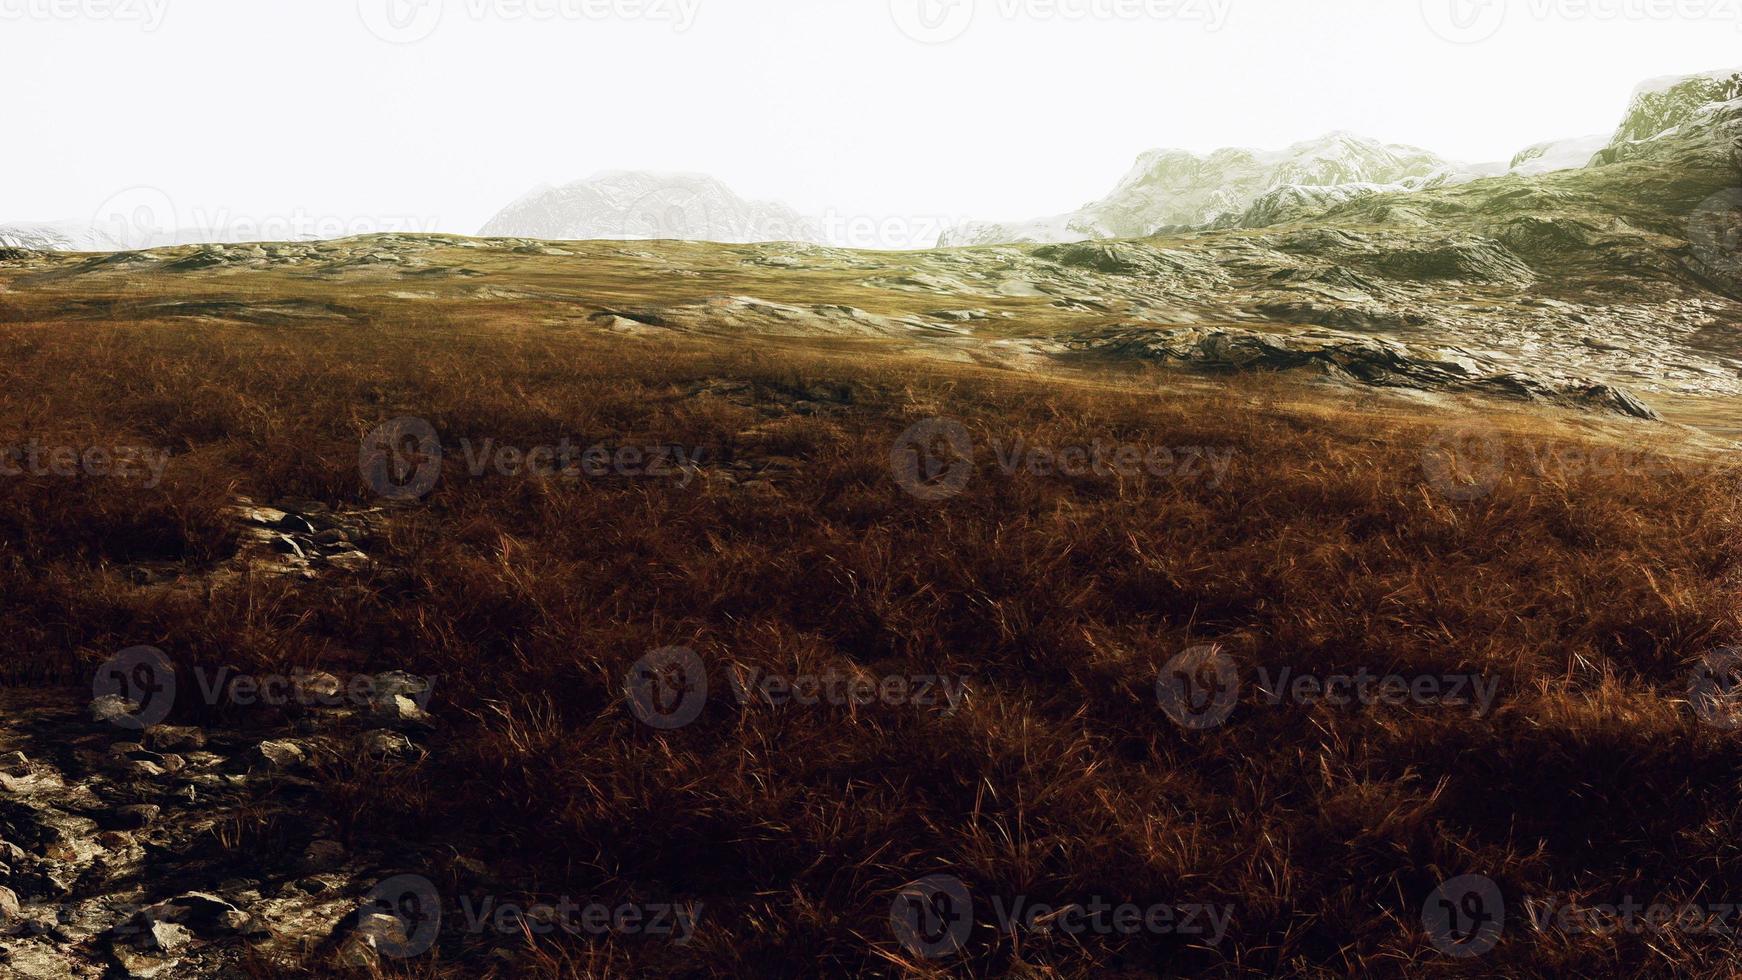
1583,585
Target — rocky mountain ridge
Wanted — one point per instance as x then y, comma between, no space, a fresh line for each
1179,189
1171,190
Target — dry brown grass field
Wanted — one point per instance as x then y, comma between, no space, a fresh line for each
1581,581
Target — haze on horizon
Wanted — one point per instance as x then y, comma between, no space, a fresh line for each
437,113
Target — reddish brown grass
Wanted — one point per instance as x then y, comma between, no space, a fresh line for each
1587,596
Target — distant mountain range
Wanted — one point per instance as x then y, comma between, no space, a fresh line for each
623,205
60,236
1174,190
1167,190
1178,189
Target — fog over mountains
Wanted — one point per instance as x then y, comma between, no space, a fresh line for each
1166,190
622,205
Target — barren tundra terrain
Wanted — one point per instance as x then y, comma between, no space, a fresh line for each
442,606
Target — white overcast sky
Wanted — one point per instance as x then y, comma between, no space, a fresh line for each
1013,110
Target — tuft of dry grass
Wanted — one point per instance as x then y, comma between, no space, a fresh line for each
1586,594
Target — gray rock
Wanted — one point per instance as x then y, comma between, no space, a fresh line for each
165,936
37,961
111,708
168,738
204,913
388,745
323,855
361,949
277,754
399,711
295,524
399,682
144,966
137,816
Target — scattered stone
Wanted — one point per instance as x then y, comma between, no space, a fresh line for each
167,738
317,688
260,516
144,966
294,524
141,769
111,709
277,754
384,744
400,682
373,931
166,936
204,913
399,711
37,961
323,855
137,816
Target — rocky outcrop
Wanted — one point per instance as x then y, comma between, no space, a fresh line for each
1350,357
1553,155
1663,104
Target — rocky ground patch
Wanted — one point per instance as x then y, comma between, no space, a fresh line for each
136,850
